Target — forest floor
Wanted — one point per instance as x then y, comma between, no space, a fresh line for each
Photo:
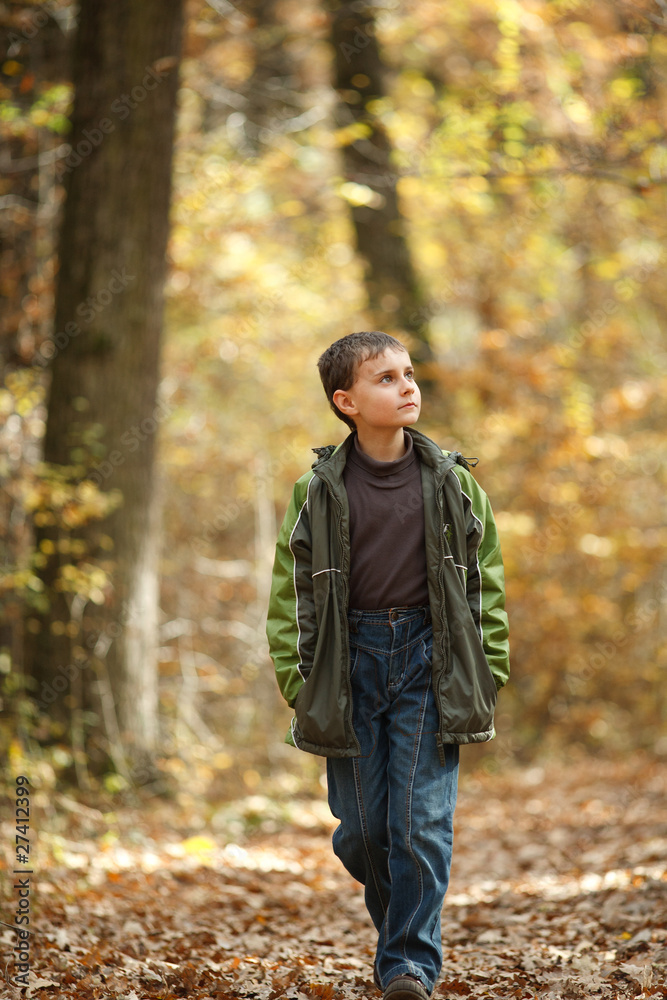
558,890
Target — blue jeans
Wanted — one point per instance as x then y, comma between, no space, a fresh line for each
396,801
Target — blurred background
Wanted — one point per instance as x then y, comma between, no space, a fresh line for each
195,201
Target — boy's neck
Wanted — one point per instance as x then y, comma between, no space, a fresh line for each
380,444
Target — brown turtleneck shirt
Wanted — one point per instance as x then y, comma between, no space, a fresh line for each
387,550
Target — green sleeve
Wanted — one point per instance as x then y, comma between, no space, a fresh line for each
495,626
292,563
488,575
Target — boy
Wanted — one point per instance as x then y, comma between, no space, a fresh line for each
388,633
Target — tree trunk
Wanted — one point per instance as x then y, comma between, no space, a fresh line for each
272,91
394,295
103,410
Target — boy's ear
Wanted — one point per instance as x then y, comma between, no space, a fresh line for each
344,403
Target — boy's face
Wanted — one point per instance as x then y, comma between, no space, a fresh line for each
384,394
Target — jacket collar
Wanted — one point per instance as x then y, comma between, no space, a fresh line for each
330,463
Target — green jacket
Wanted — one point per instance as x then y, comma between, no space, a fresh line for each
307,619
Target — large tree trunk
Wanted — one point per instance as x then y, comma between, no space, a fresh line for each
103,410
394,295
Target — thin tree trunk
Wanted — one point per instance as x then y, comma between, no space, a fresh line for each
104,410
395,298
271,93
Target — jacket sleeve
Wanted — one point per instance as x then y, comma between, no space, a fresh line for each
290,622
486,579
495,626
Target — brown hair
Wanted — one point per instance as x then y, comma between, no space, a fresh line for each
339,363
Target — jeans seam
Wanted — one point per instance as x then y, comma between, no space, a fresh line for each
413,770
364,829
382,650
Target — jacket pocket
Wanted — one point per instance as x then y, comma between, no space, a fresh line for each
320,724
468,693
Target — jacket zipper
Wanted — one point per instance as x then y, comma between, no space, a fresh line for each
344,626
442,616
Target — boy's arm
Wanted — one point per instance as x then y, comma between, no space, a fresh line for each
290,621
486,578
495,626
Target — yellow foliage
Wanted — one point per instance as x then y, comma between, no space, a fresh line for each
292,208
360,194
351,133
626,88
197,846
11,67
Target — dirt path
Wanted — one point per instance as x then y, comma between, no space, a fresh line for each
559,890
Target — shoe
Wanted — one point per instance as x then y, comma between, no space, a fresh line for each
406,988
